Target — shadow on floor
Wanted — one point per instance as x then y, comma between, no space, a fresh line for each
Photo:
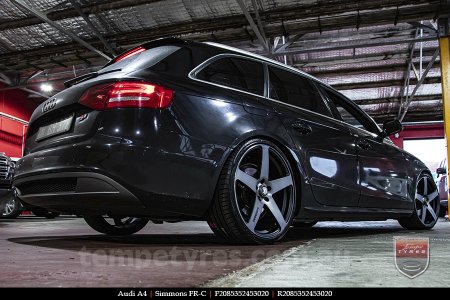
295,236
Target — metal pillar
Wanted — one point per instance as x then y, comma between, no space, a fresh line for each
444,46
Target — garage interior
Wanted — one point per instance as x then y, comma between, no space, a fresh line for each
384,55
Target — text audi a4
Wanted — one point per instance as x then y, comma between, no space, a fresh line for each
176,130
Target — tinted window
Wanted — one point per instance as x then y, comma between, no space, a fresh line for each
349,115
237,73
295,89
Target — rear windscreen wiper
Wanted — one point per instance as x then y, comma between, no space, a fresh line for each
87,76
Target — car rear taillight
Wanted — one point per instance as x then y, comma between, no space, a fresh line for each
129,53
127,94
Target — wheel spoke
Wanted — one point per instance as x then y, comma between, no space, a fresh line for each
265,162
128,221
432,213
433,196
280,183
246,179
118,221
419,197
256,214
273,207
425,185
424,214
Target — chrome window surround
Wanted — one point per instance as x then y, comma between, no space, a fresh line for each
266,62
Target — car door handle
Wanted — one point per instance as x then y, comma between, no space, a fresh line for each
301,127
363,144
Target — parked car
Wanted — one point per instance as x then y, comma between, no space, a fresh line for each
176,130
442,184
10,205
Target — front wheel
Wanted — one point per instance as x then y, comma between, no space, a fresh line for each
12,207
426,205
116,225
255,198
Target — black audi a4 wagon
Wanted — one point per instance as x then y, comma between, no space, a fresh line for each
177,130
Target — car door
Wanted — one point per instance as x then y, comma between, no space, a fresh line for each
383,174
325,146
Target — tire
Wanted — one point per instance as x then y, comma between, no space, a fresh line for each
255,197
308,224
12,206
117,225
43,213
426,205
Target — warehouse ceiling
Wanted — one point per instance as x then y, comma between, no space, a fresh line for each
381,54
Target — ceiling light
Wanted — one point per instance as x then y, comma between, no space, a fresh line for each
46,87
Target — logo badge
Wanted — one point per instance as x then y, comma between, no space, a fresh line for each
412,255
49,105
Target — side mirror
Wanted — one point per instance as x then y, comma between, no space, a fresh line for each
392,127
441,171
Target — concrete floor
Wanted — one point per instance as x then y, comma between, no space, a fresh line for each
66,252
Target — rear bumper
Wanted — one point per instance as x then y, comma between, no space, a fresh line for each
123,176
71,191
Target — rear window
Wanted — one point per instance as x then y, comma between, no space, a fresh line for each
142,60
242,74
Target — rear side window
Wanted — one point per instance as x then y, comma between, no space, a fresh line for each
296,90
241,74
142,60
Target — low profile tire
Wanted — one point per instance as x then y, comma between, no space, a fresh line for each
304,224
12,207
426,205
116,225
43,213
255,197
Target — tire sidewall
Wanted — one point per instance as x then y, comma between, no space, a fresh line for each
17,207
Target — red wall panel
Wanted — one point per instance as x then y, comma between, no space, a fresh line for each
15,103
426,131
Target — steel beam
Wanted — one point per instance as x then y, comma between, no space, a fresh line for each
419,83
25,89
408,73
355,69
70,13
362,44
286,45
41,15
254,27
444,46
258,19
92,26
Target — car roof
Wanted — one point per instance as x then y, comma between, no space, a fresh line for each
232,50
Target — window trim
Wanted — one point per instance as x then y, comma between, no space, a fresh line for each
353,109
313,84
193,74
319,85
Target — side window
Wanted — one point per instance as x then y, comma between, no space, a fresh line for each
344,112
241,74
295,89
